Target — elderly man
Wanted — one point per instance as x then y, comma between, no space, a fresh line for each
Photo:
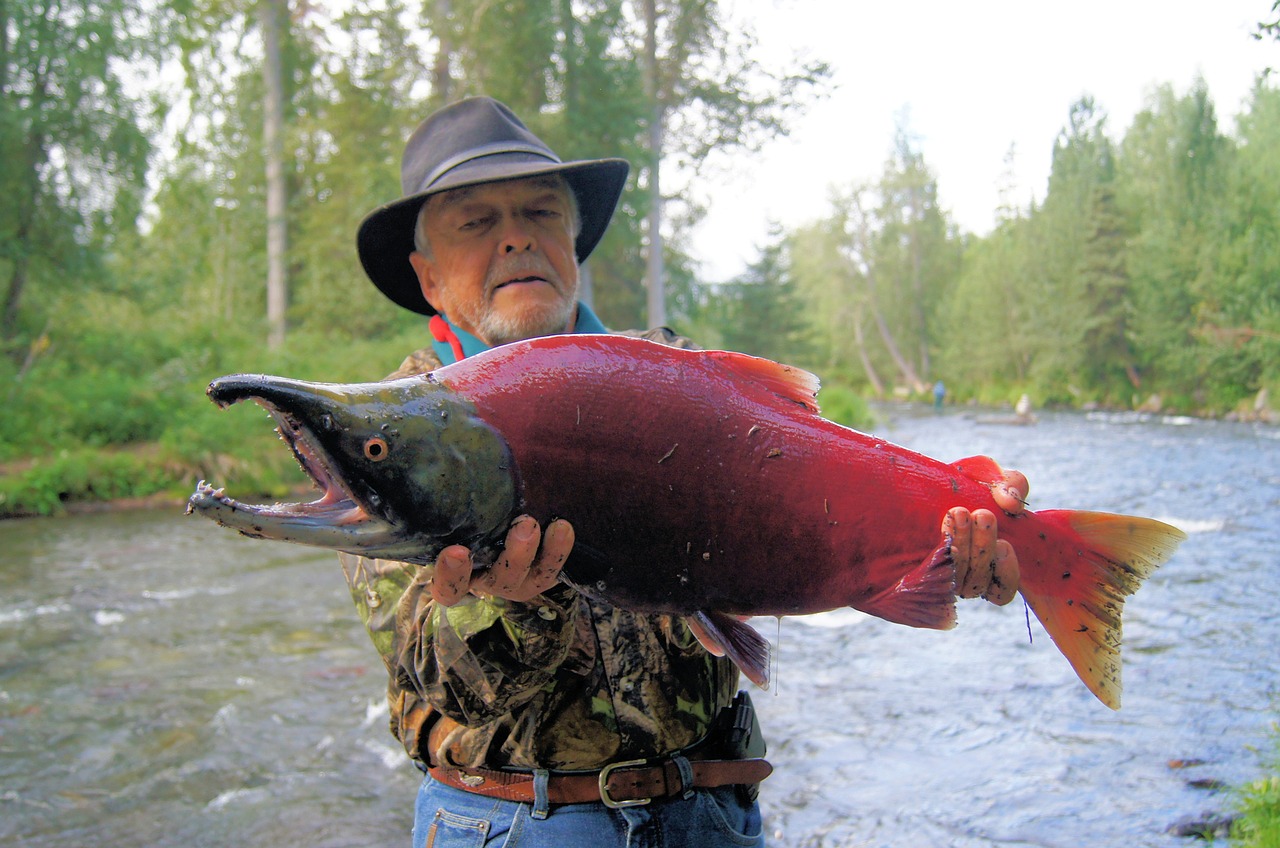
543,717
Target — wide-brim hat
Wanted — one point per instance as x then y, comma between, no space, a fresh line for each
471,142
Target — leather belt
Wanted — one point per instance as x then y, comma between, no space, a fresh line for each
624,784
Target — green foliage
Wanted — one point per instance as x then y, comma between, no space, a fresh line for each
74,144
49,483
760,312
1116,288
1259,806
116,376
846,406
876,273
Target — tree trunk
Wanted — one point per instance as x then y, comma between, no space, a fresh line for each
877,385
862,238
441,80
656,283
28,205
13,297
273,141
917,281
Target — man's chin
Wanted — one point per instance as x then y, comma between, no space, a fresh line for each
502,326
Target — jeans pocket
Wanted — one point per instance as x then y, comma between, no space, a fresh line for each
450,830
736,820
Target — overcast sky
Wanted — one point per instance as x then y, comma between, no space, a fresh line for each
975,78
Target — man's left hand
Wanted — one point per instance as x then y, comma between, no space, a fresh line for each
986,566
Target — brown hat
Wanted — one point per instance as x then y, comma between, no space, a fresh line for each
474,141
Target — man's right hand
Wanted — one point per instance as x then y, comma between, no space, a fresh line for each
528,566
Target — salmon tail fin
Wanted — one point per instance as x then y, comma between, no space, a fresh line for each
739,641
924,597
1080,598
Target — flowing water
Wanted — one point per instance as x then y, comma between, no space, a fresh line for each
165,682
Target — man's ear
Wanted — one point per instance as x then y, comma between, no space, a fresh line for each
426,271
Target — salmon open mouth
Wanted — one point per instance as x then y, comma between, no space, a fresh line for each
336,505
337,515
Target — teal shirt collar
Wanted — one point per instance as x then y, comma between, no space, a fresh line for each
587,322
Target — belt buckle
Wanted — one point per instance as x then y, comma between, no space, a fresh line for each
610,802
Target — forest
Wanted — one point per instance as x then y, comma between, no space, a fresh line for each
185,178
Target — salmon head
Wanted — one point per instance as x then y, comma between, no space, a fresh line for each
404,467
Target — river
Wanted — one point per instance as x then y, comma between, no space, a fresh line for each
165,682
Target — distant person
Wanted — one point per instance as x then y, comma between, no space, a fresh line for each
542,717
939,394
1023,409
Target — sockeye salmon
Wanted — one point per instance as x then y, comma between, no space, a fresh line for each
699,483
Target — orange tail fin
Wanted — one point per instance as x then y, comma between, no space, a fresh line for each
1079,595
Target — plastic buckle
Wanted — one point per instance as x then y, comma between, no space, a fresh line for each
604,785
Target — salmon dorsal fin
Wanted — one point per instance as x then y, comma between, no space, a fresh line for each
981,469
785,381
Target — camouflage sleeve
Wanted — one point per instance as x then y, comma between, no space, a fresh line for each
483,657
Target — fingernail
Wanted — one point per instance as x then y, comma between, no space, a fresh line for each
523,531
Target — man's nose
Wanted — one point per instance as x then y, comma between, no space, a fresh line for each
516,237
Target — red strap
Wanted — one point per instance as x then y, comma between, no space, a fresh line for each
442,332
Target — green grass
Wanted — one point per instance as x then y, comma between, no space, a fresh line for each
1259,806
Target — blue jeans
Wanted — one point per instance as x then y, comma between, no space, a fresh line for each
709,818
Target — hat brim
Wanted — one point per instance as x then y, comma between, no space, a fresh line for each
385,237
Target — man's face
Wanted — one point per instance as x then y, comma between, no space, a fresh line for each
501,263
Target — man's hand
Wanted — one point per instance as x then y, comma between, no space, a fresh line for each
986,566
528,566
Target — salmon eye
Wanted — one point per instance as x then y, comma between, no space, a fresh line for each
376,449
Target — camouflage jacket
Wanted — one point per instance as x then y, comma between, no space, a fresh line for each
559,682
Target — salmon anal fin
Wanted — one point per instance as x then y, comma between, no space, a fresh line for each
924,597
981,469
786,381
1080,600
740,642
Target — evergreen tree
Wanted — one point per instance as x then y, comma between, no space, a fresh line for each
1239,313
761,313
1172,167
1064,308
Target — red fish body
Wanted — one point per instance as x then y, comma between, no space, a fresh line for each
707,481
702,484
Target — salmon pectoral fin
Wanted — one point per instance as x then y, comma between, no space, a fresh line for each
1079,599
924,597
740,643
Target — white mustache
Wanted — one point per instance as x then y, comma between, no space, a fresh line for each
520,267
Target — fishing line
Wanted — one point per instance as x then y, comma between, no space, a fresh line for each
1026,612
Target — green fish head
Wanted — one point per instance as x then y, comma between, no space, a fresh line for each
405,468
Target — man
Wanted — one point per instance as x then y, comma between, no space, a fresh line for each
541,716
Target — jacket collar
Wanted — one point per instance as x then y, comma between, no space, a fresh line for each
448,341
